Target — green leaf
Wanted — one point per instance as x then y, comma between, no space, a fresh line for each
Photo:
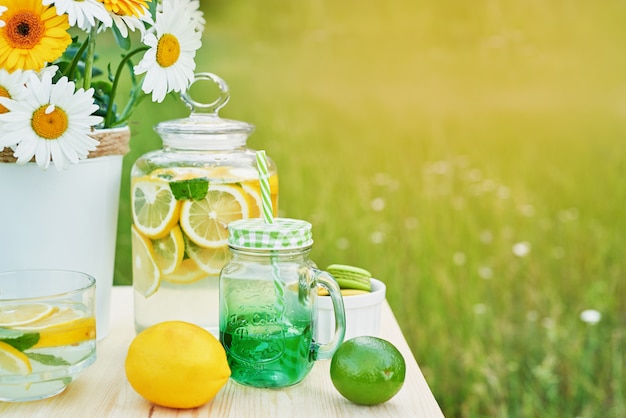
63,67
153,9
8,333
48,359
122,42
102,87
19,339
194,189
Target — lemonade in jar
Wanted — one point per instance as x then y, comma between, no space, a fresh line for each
182,199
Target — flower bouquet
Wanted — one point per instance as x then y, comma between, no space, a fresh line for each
52,94
59,105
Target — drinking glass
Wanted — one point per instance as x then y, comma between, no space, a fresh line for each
47,331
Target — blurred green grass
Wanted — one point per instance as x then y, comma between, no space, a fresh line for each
471,155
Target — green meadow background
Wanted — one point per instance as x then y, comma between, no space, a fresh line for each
472,155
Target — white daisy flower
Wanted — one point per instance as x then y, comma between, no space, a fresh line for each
82,13
52,69
169,63
51,122
197,15
12,86
2,10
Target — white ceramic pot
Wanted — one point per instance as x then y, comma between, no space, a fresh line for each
63,220
362,314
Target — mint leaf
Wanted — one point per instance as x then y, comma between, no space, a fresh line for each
48,359
192,189
8,333
19,339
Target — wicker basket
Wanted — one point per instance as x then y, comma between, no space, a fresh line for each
113,141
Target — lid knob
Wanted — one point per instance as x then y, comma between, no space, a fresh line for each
214,106
204,121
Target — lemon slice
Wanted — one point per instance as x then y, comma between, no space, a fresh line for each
188,173
253,192
13,361
146,273
274,192
180,173
210,260
16,315
154,207
206,221
69,333
187,272
63,317
169,250
65,326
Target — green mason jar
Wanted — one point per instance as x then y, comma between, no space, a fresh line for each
268,293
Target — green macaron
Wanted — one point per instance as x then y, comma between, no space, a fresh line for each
351,277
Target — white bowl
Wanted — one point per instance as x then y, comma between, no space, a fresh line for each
362,314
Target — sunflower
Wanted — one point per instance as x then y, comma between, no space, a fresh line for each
134,8
33,35
129,14
123,23
169,63
53,122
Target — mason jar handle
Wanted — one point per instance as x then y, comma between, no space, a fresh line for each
214,106
327,281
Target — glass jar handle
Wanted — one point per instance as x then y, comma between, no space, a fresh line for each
208,108
327,281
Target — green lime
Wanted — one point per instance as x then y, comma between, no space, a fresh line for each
367,370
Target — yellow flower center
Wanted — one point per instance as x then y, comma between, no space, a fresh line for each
24,30
49,123
4,93
168,50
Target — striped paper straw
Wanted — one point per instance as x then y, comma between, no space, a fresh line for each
264,178
268,215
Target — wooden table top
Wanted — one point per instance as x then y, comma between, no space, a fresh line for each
103,391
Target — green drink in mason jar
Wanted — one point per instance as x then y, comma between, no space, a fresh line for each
268,292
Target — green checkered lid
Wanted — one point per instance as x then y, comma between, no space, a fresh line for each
282,234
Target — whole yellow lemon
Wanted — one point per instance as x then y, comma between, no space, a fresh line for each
176,364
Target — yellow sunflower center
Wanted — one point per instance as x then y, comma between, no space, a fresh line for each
4,93
49,124
168,50
24,30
